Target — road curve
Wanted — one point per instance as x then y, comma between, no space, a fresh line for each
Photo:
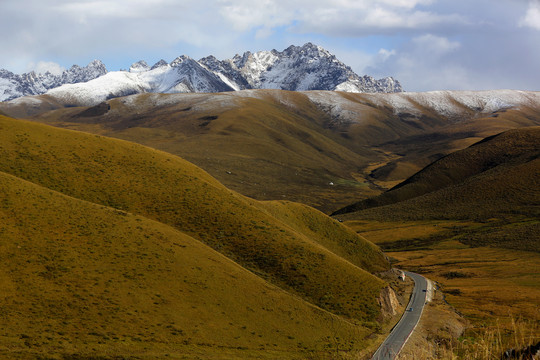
393,344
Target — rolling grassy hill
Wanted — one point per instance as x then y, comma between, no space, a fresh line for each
113,249
500,173
494,181
319,148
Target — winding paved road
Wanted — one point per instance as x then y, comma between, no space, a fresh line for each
393,344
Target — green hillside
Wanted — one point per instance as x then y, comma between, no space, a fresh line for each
111,189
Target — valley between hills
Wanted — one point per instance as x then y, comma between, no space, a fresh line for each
198,225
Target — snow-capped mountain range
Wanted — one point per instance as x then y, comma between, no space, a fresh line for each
13,86
297,68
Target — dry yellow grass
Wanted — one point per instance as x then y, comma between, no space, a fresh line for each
484,343
104,277
80,278
482,283
496,290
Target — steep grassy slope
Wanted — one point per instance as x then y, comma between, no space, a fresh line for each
319,148
422,149
168,189
81,278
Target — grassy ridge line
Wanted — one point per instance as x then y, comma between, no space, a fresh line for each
502,194
503,199
168,189
322,230
78,277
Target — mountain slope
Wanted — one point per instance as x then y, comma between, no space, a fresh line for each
469,221
281,134
492,159
297,68
168,189
321,148
79,279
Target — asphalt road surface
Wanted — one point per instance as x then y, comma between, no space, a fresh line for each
391,347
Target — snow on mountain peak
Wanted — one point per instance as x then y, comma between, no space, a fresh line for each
13,86
181,59
297,68
139,66
159,64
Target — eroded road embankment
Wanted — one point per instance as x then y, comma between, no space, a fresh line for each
422,293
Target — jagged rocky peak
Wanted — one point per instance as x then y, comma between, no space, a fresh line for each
240,61
160,63
309,50
180,60
390,85
97,65
139,66
78,74
211,62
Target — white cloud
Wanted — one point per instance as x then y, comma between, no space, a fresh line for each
43,66
131,9
425,62
532,17
433,45
406,3
478,38
384,55
246,14
334,16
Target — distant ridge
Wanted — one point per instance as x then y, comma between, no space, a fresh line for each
494,177
297,68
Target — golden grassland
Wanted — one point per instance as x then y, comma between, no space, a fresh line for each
298,151
81,278
500,172
485,284
440,335
470,222
419,150
126,249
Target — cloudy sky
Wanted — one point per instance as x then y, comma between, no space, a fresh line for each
425,44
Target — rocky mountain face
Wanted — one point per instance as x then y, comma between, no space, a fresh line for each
13,86
297,68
